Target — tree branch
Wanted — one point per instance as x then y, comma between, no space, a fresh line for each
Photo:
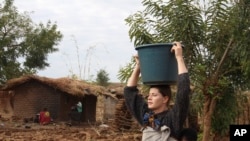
223,57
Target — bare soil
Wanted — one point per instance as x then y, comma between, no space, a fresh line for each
20,131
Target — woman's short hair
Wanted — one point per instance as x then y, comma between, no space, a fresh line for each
165,90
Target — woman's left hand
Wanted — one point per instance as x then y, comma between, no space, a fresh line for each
177,49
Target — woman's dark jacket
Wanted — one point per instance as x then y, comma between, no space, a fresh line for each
173,118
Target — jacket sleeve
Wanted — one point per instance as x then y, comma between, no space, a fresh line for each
135,103
180,109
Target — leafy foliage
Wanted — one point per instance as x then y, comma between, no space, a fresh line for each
102,78
24,46
226,111
126,71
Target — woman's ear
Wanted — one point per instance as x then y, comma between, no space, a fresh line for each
165,99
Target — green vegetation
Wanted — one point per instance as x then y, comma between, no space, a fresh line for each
102,78
24,46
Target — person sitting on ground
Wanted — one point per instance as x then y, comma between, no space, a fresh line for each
44,117
75,113
79,107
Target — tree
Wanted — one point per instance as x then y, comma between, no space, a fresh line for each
216,35
24,46
102,78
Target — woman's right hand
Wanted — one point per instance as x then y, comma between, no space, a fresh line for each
133,79
137,61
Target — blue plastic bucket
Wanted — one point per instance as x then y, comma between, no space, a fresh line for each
157,64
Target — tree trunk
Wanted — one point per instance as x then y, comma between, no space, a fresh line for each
209,106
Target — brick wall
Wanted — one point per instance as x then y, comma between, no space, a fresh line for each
33,96
105,108
109,107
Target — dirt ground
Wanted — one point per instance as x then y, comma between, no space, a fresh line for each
20,131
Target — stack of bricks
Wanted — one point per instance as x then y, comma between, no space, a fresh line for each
123,118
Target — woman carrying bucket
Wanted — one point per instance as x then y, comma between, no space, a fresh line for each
160,123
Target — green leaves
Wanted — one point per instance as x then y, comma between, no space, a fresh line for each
139,29
24,46
206,28
125,72
40,42
226,111
102,78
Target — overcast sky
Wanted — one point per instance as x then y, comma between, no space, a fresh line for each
97,27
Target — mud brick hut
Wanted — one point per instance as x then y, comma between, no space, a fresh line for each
6,104
33,93
115,94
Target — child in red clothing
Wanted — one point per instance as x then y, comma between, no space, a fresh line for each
44,117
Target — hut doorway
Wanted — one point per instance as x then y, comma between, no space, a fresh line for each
89,108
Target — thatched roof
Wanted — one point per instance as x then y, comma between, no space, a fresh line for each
70,86
116,88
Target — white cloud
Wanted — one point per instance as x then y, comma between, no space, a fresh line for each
98,23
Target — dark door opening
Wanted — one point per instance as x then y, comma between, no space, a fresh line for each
89,108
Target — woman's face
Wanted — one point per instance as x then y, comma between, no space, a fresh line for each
156,101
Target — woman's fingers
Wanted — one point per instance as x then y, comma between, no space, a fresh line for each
177,49
173,48
136,57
